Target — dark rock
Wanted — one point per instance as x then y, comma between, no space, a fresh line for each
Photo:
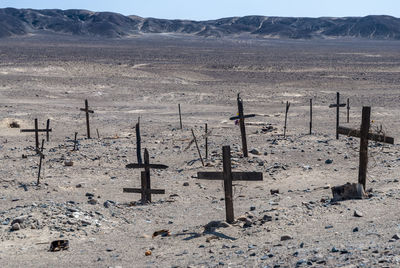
355,230
328,161
286,237
15,227
185,184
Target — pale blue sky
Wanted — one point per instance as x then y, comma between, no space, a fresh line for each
212,9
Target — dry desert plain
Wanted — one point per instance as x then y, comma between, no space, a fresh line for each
47,77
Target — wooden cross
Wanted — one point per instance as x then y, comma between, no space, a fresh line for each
37,130
337,105
40,152
76,142
348,110
87,111
310,116
364,136
145,190
228,176
241,118
180,116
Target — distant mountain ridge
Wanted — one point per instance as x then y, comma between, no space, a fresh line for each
16,22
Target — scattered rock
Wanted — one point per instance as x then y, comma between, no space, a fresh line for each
274,191
68,163
212,225
286,237
328,161
185,184
14,124
255,151
15,227
348,191
396,237
358,214
355,230
92,201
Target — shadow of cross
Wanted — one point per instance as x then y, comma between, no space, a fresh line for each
228,176
241,116
145,190
87,111
364,136
337,106
37,130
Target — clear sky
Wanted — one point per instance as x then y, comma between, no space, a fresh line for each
213,9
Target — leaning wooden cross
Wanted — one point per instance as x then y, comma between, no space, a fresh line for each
87,111
364,136
37,130
337,106
145,190
241,118
228,176
40,152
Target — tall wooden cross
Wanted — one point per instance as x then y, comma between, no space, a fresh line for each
37,130
241,118
87,111
228,176
337,105
364,136
145,190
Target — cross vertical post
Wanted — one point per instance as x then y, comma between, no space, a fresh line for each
75,141
40,162
337,106
365,125
180,115
310,116
147,173
138,143
36,134
286,114
48,130
206,140
348,110
242,126
227,173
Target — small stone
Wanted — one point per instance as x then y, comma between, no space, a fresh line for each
92,201
328,161
274,191
68,163
355,230
15,227
286,237
78,185
358,214
329,227
334,249
252,208
255,151
185,184
267,218
396,237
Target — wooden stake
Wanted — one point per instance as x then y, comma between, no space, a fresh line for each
206,141
147,174
286,114
75,141
98,135
180,115
310,116
36,134
227,170
242,126
198,149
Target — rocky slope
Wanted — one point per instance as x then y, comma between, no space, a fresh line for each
112,25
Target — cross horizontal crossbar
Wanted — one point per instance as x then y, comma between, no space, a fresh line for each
335,105
244,116
139,191
89,111
371,136
236,176
154,166
34,130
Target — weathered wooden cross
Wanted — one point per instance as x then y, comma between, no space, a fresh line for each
228,176
145,190
87,111
241,118
37,130
364,136
337,106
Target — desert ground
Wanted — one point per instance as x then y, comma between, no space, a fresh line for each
48,77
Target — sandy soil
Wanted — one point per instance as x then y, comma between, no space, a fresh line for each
148,77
